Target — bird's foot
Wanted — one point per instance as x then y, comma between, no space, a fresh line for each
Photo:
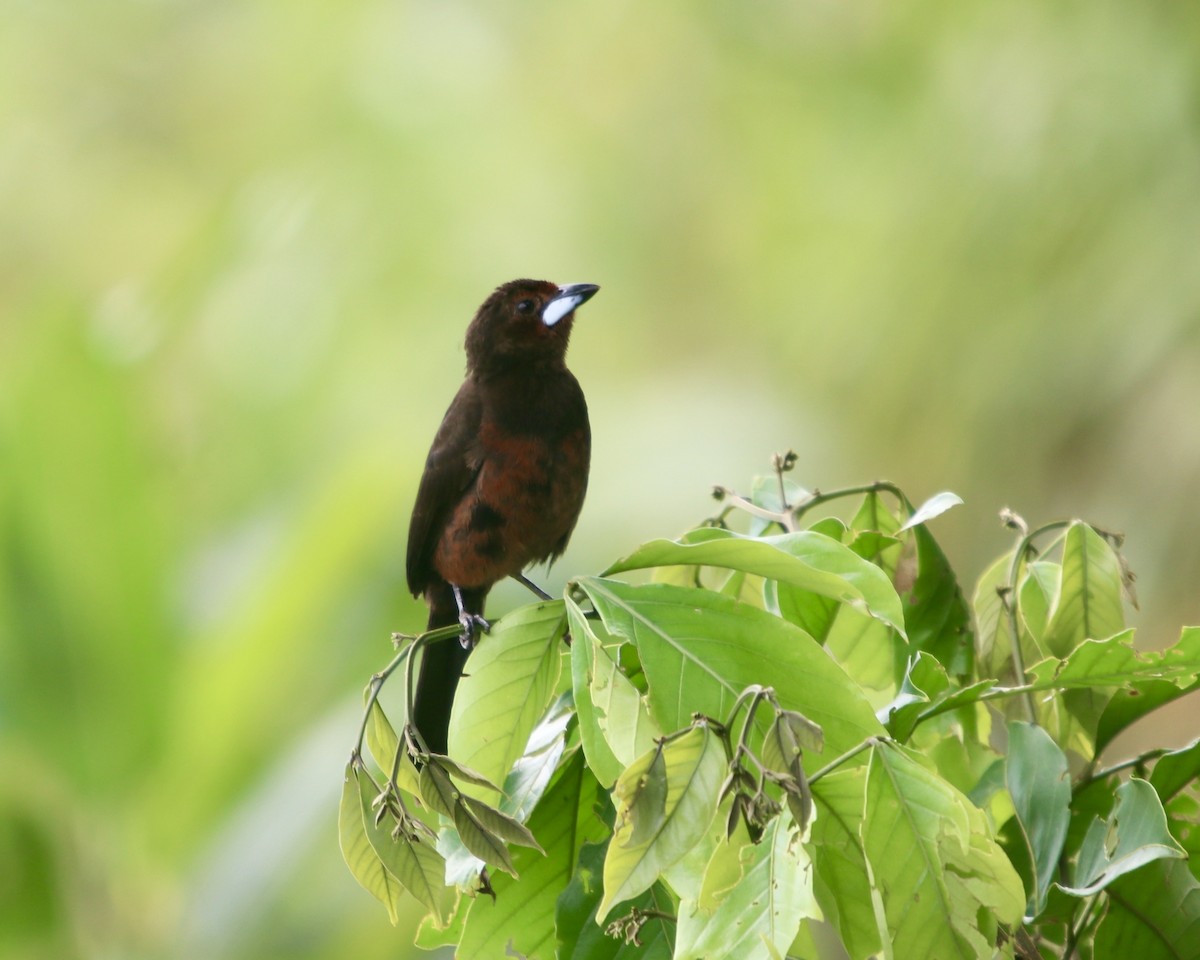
471,624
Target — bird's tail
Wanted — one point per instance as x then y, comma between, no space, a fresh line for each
441,666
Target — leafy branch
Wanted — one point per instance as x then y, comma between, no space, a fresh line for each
658,781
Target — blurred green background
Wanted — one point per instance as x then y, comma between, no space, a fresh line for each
956,245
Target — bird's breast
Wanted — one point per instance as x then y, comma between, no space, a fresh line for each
522,507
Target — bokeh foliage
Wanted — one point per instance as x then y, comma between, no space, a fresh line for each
950,244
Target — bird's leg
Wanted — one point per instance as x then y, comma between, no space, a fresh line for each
537,591
467,620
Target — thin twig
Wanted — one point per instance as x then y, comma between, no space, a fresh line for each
816,498
1010,600
1137,761
848,755
374,686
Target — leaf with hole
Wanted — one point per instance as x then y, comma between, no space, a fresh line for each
758,917
1134,834
933,860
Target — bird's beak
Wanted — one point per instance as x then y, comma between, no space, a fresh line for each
566,300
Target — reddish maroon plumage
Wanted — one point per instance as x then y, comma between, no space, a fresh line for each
506,474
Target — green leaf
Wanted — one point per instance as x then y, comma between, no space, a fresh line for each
383,745
700,650
993,636
430,936
581,938
501,825
619,728
1041,583
936,616
507,684
1039,782
642,793
1134,834
693,765
933,860
874,520
935,506
415,863
1115,662
1143,697
464,774
575,911
874,515
360,856
685,876
600,757
759,916
1183,819
744,587
924,680
1088,606
478,837
531,774
1175,770
764,492
483,830
1152,914
438,791
788,734
927,692
810,611
463,868
520,921
723,867
1089,601
381,738
868,650
805,559
842,882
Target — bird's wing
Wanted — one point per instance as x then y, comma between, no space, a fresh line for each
450,470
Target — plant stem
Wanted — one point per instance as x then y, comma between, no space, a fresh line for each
373,687
789,517
404,656
758,697
1075,931
848,755
816,498
783,462
741,503
1137,761
1011,601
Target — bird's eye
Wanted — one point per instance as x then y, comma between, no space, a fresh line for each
525,306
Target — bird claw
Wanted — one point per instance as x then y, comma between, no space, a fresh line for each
470,622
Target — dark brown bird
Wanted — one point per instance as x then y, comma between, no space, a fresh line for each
505,478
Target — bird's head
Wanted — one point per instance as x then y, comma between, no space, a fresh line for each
524,322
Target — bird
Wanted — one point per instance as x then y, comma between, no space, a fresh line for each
504,481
